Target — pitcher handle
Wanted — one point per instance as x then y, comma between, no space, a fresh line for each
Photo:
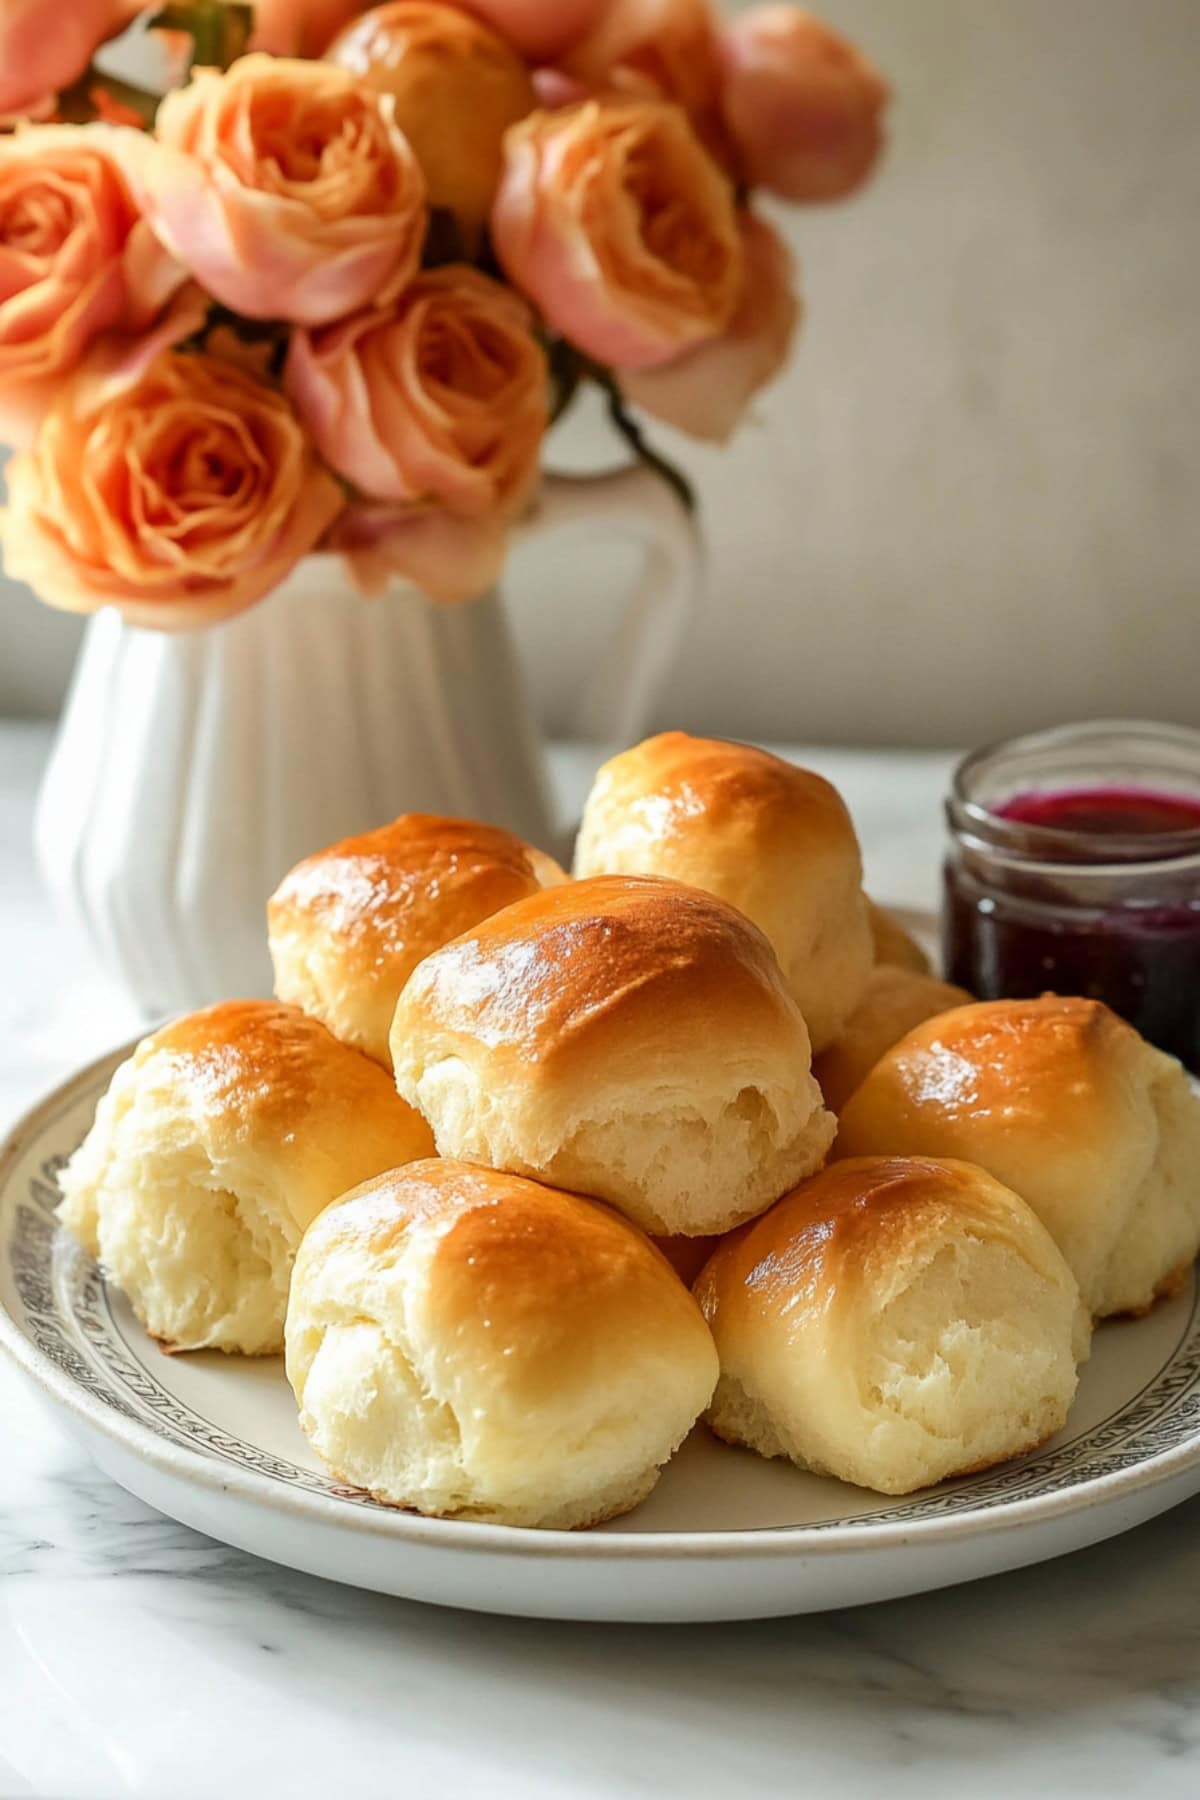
617,699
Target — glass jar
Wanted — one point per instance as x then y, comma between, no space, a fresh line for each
1074,868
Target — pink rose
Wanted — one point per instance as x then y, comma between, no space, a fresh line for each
180,500
449,558
540,29
437,406
658,49
300,27
614,219
287,188
706,392
803,108
76,260
44,49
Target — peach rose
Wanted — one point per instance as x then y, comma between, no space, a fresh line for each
803,108
287,188
180,500
44,49
76,260
457,87
706,392
658,49
540,29
614,219
299,27
444,397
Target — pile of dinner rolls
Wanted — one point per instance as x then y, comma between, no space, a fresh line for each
527,1174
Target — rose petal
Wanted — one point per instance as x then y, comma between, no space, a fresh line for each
449,559
706,392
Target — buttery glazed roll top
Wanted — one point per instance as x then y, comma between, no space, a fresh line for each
895,1000
470,1343
627,1037
348,925
270,1089
218,1141
1066,1104
771,839
622,967
894,1321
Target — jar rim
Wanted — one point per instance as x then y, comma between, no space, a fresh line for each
1056,844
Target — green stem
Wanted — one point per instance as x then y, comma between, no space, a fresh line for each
566,373
219,32
76,106
569,367
635,437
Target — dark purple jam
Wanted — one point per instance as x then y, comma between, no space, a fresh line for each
1105,812
1017,925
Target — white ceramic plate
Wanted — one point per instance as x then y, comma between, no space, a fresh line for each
213,1441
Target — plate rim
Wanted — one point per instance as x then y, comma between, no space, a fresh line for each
179,1462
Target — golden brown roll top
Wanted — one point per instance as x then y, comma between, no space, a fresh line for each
469,1343
348,925
895,1000
772,840
218,1141
892,1322
1066,1104
625,1037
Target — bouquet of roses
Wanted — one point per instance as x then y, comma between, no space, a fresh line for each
332,289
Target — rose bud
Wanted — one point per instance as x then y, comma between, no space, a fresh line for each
457,87
802,106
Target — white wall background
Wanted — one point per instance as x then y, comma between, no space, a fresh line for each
973,505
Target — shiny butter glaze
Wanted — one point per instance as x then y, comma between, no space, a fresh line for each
564,966
851,1235
674,790
409,886
1010,1063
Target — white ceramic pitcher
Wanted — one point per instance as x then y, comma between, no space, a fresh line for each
192,770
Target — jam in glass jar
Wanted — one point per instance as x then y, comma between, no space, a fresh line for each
1074,868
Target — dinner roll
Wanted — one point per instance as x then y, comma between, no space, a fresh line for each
622,1037
1066,1104
217,1142
348,925
892,1322
895,1000
893,944
470,1344
773,840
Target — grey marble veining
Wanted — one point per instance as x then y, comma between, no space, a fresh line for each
140,1659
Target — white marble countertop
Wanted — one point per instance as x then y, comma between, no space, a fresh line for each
139,1659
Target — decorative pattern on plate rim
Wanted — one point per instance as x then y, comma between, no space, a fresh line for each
69,1318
